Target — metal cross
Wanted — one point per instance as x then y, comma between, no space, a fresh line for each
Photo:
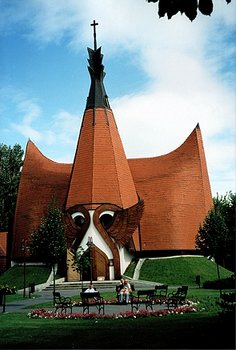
94,24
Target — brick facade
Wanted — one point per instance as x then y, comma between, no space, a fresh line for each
175,189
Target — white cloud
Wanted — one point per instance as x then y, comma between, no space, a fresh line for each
30,110
26,112
27,131
61,128
183,60
66,126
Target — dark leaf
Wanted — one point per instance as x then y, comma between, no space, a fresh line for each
173,8
163,7
191,9
205,7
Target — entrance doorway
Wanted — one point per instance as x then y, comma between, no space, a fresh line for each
98,266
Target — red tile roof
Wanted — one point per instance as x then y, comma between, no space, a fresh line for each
177,195
101,173
175,187
41,179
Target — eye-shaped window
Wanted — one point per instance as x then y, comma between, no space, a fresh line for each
106,219
79,219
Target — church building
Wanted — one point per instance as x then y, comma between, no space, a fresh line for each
115,208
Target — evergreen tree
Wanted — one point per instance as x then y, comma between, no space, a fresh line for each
48,242
216,236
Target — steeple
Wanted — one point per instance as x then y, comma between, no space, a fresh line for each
100,172
97,93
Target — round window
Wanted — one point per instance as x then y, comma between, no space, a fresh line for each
106,220
78,219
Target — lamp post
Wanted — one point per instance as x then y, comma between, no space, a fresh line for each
90,244
24,247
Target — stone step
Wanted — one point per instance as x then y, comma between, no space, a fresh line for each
100,285
78,285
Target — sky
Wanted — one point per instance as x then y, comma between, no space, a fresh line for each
163,77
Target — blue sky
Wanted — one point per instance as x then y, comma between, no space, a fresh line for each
162,77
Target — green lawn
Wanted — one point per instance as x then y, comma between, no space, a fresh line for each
174,271
204,329
181,270
34,274
188,331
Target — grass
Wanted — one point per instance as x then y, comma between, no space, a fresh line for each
174,271
188,331
181,270
129,272
200,330
34,274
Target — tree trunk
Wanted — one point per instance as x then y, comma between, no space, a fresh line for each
218,273
54,282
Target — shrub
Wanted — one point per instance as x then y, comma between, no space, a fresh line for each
225,283
5,289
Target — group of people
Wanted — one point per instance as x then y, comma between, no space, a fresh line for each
123,291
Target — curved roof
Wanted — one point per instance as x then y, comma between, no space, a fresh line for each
175,188
177,196
41,180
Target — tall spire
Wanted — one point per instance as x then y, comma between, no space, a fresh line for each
94,24
100,172
97,93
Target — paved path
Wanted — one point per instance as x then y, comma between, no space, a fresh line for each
27,304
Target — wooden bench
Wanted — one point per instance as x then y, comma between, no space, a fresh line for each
178,297
62,303
146,297
90,299
161,293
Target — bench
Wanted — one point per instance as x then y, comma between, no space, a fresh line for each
178,297
161,293
148,300
62,303
90,299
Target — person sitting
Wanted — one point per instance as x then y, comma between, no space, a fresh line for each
90,289
124,292
119,288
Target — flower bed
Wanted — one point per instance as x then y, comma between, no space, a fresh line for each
42,313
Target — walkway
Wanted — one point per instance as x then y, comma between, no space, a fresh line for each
27,304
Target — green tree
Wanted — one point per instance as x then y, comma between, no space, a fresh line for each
10,167
48,242
80,262
216,236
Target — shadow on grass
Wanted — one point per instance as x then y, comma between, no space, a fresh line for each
195,331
